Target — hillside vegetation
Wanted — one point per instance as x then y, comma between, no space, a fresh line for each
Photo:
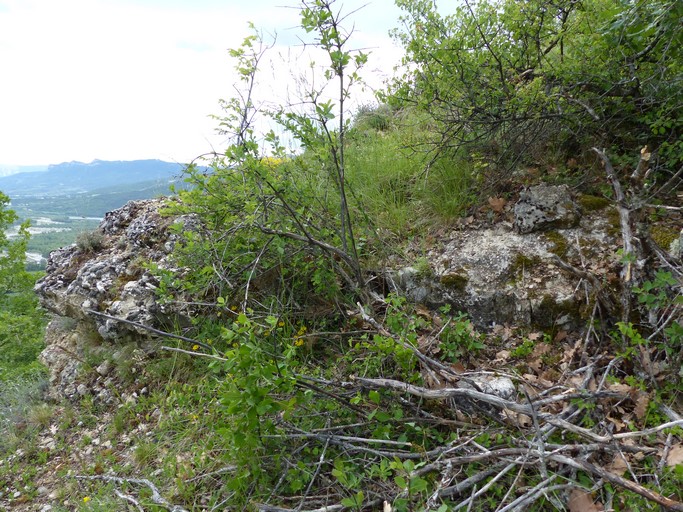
304,384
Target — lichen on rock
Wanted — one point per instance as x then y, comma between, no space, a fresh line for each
545,207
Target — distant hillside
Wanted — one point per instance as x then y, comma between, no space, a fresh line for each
77,177
6,170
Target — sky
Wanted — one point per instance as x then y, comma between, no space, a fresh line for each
135,79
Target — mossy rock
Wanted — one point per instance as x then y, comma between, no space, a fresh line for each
549,311
455,281
664,235
590,203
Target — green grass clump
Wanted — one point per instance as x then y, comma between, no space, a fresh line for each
90,241
395,186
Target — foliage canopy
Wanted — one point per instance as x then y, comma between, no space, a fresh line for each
514,79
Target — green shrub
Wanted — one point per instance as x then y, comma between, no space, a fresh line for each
90,241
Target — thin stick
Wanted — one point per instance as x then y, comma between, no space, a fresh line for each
150,329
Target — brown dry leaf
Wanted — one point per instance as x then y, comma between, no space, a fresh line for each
540,349
458,368
423,312
502,356
617,423
642,402
524,421
535,365
561,336
620,388
497,204
592,385
618,465
675,456
582,501
535,336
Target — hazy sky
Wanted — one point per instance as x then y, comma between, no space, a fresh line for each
129,79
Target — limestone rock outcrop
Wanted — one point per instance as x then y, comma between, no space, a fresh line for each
508,273
105,274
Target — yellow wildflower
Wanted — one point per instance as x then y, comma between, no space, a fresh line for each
195,347
280,324
298,342
86,499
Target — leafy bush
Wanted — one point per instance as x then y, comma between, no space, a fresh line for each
514,81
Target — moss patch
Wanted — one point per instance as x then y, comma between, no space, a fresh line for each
455,281
560,246
593,203
664,236
522,262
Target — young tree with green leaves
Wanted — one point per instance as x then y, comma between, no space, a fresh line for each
13,276
21,322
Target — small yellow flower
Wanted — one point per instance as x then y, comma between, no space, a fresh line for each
195,347
298,342
233,308
280,324
86,499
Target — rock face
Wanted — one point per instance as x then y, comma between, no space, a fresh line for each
105,274
508,274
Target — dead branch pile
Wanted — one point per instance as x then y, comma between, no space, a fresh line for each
541,435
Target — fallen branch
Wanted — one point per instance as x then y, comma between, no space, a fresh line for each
157,498
617,480
501,403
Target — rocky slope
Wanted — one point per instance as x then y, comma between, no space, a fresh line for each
503,273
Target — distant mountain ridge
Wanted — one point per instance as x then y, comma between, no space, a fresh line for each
78,177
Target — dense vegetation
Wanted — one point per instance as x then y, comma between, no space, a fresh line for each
313,389
21,324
